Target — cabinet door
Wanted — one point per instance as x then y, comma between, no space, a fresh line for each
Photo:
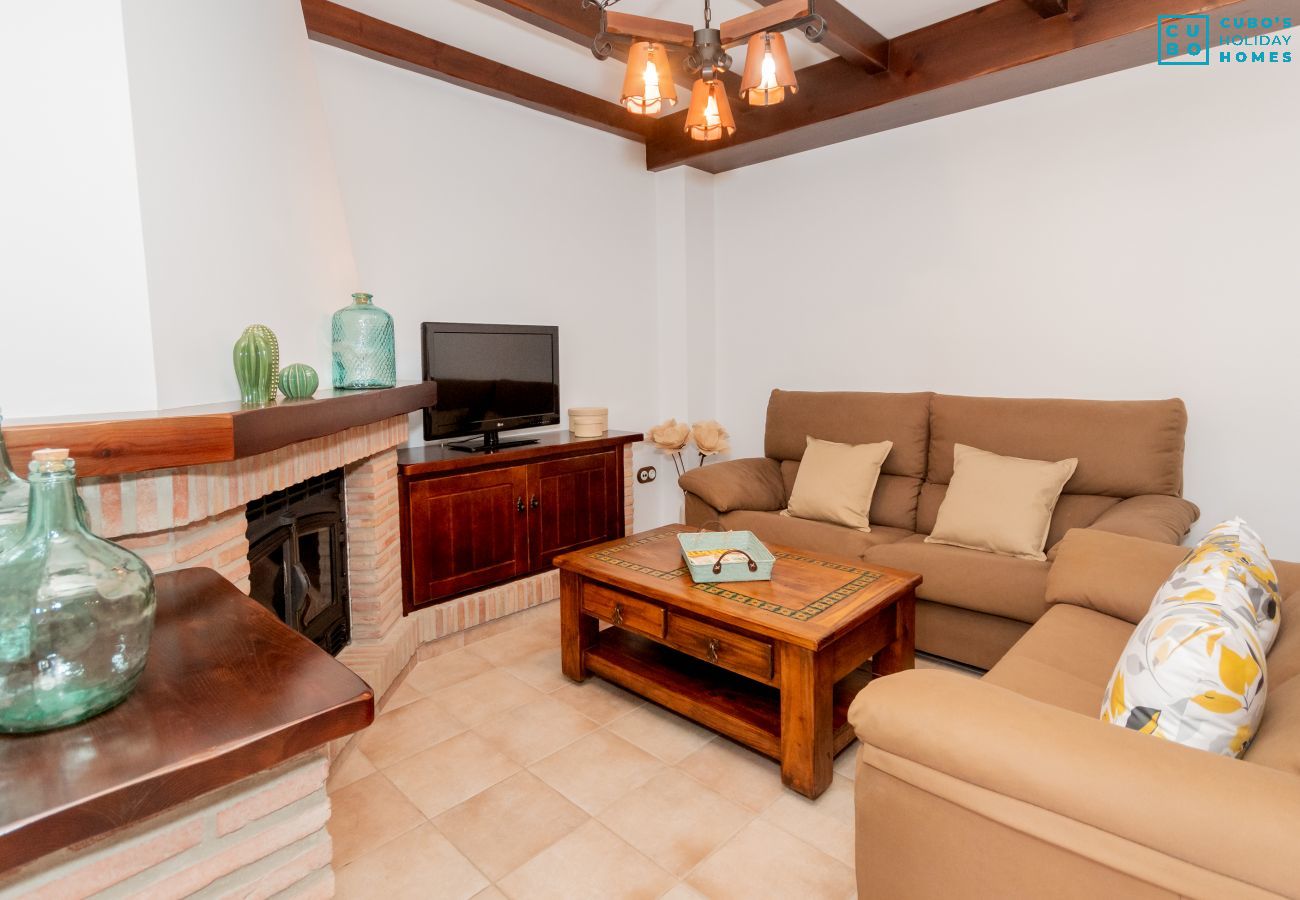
467,531
572,503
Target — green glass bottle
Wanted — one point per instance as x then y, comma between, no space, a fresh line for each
13,500
76,611
364,353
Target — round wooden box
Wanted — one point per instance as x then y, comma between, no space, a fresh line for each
588,421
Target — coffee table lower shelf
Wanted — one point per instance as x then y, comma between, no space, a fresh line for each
745,711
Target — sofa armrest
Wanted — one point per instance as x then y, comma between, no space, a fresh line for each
1167,814
1156,517
737,484
1110,573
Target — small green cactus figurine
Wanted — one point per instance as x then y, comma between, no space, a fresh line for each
275,357
255,366
299,381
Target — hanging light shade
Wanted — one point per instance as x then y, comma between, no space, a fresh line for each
768,73
709,118
648,84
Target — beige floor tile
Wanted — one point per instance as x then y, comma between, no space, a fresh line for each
492,629
736,773
598,700
591,863
598,769
420,865
491,893
540,669
441,645
764,861
683,891
512,646
400,696
350,767
406,731
829,817
366,814
663,733
451,772
675,820
509,823
846,763
480,698
535,730
443,671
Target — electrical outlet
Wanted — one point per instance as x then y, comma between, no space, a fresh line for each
646,474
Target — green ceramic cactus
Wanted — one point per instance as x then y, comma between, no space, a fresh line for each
275,357
254,365
298,381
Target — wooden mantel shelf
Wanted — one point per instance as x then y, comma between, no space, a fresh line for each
117,443
229,691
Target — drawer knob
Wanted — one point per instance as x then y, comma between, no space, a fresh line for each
617,618
714,646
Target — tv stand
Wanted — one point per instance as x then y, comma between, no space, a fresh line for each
491,443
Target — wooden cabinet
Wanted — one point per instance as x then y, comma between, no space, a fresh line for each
470,521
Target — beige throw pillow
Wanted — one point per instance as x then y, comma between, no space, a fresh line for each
1000,504
836,481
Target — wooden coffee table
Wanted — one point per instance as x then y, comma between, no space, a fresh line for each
770,664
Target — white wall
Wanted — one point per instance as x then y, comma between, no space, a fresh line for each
242,217
465,208
76,333
1131,236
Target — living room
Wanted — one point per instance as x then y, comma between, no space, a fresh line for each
1026,199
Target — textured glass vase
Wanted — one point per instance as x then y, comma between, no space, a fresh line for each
364,355
76,611
13,500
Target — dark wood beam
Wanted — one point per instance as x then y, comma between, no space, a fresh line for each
850,38
342,27
1048,8
989,54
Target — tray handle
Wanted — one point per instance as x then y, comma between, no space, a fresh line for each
717,522
717,566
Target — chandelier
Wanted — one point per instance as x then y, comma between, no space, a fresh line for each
648,86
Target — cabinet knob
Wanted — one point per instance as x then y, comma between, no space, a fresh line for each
714,647
617,618
534,503
519,504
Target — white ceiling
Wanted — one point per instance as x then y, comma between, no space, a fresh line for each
472,26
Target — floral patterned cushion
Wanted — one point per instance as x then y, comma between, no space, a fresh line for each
1194,670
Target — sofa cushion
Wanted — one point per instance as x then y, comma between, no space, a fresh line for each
1194,670
893,503
1277,743
984,582
1065,659
851,417
1110,573
1124,448
736,484
1233,546
836,482
1000,504
806,534
974,638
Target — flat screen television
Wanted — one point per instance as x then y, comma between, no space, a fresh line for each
491,378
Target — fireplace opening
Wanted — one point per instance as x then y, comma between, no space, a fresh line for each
297,553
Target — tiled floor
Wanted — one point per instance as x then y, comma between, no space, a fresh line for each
489,774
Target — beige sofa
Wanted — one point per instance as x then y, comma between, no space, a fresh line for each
972,606
1011,786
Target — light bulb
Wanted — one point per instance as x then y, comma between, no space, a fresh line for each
768,82
651,79
711,117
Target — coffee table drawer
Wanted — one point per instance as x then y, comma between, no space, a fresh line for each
618,608
741,654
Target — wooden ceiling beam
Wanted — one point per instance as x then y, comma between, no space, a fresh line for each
1048,8
850,38
989,54
339,26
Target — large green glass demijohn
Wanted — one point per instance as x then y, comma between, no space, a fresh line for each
13,500
76,611
363,346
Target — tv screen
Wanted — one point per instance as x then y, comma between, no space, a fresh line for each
490,377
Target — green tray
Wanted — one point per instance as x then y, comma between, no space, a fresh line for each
746,558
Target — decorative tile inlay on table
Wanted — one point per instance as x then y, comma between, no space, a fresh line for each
860,579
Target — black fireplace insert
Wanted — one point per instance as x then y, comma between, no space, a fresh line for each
297,551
